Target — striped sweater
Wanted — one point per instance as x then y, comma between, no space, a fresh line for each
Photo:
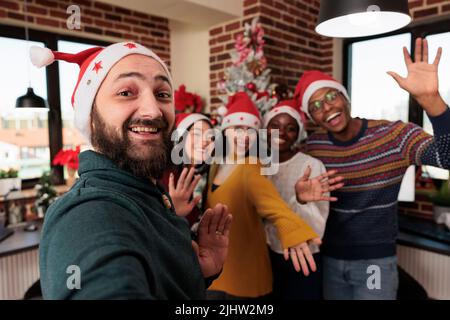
362,224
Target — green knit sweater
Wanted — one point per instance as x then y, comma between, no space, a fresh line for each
116,230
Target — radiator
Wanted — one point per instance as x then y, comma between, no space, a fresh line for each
430,269
17,273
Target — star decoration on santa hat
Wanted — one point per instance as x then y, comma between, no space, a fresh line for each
130,45
97,67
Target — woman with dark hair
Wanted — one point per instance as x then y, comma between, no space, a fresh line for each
186,181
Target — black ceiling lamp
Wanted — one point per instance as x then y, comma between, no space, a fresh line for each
30,99
359,18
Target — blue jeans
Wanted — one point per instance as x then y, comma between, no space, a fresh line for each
372,279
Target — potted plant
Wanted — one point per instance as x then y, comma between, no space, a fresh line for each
9,180
441,202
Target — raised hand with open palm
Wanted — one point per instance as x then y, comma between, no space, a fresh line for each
422,79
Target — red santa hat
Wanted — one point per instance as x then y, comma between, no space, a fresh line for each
241,111
289,107
95,64
183,121
310,82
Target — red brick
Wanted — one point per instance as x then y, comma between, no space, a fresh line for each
124,27
425,12
248,3
103,23
86,3
130,20
93,30
140,30
215,31
233,26
93,13
2,13
426,207
159,19
19,16
446,8
86,20
148,40
157,34
36,10
251,11
415,4
103,6
224,38
435,1
47,3
270,12
113,17
229,46
113,34
131,37
121,10
141,15
59,14
9,5
268,2
47,22
216,49
280,6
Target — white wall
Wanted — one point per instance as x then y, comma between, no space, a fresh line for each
189,58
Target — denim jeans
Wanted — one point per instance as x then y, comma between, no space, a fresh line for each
372,279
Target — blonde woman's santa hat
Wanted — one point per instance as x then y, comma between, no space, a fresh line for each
241,111
95,64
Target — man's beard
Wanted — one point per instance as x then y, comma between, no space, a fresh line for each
145,159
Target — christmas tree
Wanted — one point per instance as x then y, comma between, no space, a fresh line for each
249,72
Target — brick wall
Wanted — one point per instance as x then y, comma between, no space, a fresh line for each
97,20
292,46
420,9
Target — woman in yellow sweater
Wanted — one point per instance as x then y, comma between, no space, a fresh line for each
252,197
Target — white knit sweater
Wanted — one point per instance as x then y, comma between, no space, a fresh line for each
313,213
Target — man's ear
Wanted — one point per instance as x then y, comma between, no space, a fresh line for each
91,123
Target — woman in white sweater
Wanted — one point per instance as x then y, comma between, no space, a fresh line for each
293,165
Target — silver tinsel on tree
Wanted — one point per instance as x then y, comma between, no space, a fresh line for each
249,72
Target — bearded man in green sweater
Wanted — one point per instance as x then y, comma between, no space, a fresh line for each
115,234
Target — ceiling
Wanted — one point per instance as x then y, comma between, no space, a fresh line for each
196,12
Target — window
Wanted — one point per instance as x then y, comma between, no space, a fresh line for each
376,95
23,138
30,139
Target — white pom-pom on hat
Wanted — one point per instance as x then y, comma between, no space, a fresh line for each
222,110
41,57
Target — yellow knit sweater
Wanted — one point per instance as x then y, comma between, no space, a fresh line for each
250,197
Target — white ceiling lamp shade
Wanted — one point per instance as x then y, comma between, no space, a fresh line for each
361,18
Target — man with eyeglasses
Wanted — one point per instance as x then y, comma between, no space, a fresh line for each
360,236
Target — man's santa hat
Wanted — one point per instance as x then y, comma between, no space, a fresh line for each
289,107
183,121
241,111
310,82
95,64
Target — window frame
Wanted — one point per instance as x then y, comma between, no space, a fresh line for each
415,112
54,120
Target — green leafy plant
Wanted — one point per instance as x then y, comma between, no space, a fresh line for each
11,173
442,196
46,194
